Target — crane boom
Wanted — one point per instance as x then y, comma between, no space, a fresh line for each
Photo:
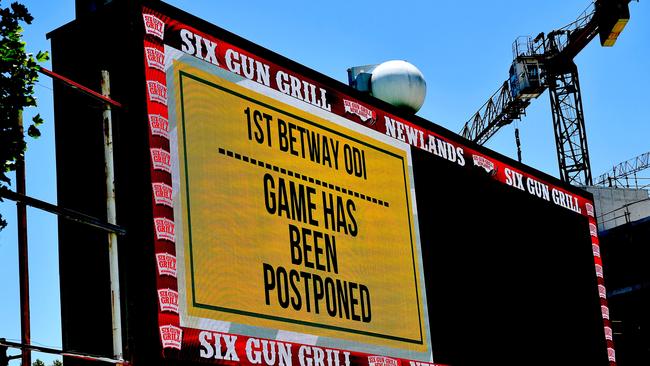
569,40
500,110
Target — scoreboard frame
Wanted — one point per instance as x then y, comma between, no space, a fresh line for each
144,35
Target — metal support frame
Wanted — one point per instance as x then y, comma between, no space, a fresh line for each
569,126
22,200
620,173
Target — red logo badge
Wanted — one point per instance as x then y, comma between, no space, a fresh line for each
362,112
157,92
599,270
166,264
159,126
596,249
171,336
605,310
161,160
168,300
611,354
155,58
165,229
382,361
153,25
162,194
590,209
609,335
484,163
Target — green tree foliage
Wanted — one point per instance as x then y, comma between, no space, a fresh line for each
18,74
38,362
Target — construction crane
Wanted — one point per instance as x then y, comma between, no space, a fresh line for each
621,172
546,62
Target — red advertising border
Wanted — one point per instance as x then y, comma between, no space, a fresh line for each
159,30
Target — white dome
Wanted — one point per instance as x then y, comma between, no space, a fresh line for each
400,84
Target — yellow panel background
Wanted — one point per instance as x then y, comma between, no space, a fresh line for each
228,233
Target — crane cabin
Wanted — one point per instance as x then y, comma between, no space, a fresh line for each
525,78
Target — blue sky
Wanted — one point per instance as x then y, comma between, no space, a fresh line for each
462,48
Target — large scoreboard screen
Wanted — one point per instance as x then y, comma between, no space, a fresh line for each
291,220
280,216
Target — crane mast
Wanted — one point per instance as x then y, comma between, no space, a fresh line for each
546,62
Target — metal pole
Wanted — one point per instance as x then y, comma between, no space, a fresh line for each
23,262
111,218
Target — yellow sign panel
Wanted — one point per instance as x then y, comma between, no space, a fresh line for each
294,222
